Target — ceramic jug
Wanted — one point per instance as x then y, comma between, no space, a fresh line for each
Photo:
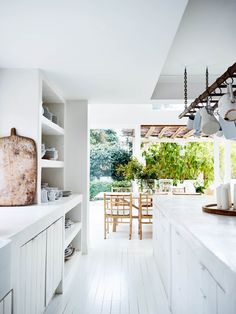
209,124
227,105
228,128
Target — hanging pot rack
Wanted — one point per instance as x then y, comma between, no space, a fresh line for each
211,92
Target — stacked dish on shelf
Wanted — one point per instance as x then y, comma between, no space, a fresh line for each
49,115
68,223
69,252
49,153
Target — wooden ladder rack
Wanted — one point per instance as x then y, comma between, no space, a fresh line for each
220,84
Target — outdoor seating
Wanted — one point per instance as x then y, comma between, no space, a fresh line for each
145,211
117,209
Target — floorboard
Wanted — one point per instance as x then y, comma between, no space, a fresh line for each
118,276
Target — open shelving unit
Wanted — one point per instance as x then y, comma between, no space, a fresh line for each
50,128
73,236
52,172
52,163
72,232
52,135
30,88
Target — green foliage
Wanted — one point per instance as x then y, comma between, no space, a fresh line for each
132,170
99,161
106,154
233,160
118,184
101,136
104,160
118,156
97,187
173,161
165,160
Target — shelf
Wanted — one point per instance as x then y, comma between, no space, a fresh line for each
45,163
70,267
67,203
71,233
50,94
51,128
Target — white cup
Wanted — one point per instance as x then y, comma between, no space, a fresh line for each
227,105
228,128
197,122
209,124
190,122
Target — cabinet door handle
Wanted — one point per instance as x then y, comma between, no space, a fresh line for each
203,294
202,266
177,232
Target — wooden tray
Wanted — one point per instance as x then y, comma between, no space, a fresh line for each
191,194
212,209
18,170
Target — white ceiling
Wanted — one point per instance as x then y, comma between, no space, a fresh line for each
205,38
105,51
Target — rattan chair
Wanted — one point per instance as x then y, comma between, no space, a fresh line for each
117,209
145,212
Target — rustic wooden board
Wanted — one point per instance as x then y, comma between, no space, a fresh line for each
18,170
212,209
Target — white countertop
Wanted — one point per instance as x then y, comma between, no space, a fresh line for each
16,220
215,233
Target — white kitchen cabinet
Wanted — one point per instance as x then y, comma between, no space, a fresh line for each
191,281
32,275
54,261
226,302
1,307
201,282
41,267
194,295
209,292
7,304
179,274
161,243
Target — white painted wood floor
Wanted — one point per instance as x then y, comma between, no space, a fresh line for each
118,276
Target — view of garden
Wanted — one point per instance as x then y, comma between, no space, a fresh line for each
112,164
108,150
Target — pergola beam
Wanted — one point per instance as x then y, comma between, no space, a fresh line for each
176,140
179,130
188,134
150,131
163,131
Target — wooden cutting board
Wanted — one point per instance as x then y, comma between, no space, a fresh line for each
18,170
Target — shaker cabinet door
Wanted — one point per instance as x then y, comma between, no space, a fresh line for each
226,302
32,275
209,293
1,307
179,274
7,304
54,260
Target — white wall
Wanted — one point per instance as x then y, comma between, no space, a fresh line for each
77,157
19,97
19,106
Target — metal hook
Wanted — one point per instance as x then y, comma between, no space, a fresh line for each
232,81
219,89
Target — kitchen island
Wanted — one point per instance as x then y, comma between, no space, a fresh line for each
196,255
